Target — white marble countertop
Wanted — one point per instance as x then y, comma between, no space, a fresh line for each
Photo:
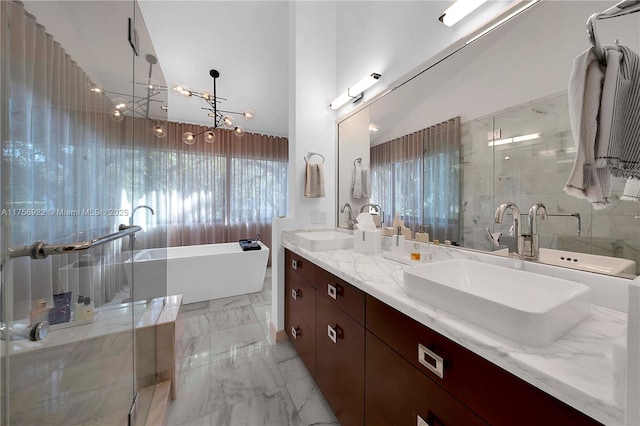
576,369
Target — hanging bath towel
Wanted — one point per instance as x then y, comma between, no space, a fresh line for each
619,128
631,191
314,181
584,103
361,184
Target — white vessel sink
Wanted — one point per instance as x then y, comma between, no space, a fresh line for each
587,262
529,308
324,240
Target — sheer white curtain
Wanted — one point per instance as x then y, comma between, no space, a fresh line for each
215,192
64,156
396,179
442,180
418,177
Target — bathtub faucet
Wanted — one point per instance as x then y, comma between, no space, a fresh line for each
134,211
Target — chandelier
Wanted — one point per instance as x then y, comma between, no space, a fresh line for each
221,118
137,105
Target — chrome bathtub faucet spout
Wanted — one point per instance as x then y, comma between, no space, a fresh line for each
515,212
132,240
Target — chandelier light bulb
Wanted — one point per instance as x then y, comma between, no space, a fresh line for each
96,88
227,120
206,96
239,131
151,84
248,114
188,138
209,136
120,104
159,131
117,115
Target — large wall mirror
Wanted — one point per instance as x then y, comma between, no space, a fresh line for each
493,126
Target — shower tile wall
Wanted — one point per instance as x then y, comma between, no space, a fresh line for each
536,171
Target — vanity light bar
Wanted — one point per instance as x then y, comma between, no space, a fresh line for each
459,10
514,139
502,21
354,92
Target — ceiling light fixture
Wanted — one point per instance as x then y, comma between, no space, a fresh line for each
459,10
221,118
514,139
355,92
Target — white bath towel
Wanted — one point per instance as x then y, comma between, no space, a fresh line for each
314,181
584,104
356,185
361,182
366,182
631,191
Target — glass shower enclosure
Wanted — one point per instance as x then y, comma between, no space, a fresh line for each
81,96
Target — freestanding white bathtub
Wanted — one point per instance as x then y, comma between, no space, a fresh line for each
199,273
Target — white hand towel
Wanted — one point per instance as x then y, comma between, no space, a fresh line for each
584,104
314,181
356,187
631,191
366,182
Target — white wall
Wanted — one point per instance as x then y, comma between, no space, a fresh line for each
312,127
394,37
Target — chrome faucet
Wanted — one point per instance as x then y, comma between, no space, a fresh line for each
350,218
132,238
134,210
532,240
515,212
33,332
376,207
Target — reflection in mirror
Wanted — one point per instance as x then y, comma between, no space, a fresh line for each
509,90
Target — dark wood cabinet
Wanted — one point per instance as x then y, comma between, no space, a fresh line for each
377,366
340,361
497,396
396,393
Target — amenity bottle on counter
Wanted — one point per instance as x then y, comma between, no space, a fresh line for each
85,310
40,312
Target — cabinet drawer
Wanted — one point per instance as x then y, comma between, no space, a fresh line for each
396,393
497,396
303,338
340,362
343,294
301,296
300,266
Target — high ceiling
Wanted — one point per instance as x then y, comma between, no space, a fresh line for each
246,41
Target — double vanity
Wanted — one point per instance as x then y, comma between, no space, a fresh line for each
463,339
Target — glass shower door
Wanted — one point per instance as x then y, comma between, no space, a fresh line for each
66,172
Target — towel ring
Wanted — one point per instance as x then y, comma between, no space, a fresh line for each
357,160
311,154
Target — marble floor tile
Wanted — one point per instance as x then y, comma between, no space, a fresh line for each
311,405
236,338
232,317
233,374
228,303
271,408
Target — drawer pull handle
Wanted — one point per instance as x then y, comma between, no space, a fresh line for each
295,332
334,333
431,360
295,293
295,264
334,291
421,421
